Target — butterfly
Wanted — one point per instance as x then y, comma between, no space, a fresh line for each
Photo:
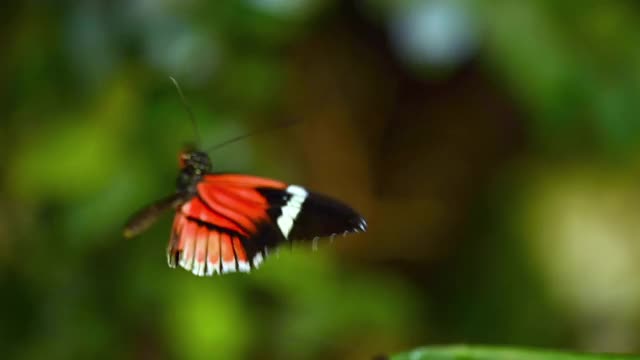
227,222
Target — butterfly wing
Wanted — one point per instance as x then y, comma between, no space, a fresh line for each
202,244
234,220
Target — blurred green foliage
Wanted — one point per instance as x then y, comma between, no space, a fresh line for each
492,146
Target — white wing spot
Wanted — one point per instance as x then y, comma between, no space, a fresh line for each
291,209
196,268
184,262
211,268
257,260
228,266
244,266
363,225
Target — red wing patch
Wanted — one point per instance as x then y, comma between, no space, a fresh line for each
242,201
243,181
198,210
203,249
237,197
209,231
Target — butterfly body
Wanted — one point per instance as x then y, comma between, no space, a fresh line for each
193,166
229,222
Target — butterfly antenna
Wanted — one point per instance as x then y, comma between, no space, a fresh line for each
281,125
188,108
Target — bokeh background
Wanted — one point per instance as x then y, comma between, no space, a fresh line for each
492,145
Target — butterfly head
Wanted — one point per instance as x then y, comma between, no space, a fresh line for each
193,166
195,162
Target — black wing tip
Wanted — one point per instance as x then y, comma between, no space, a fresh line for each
362,225
356,224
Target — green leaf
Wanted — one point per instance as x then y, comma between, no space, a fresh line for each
460,352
